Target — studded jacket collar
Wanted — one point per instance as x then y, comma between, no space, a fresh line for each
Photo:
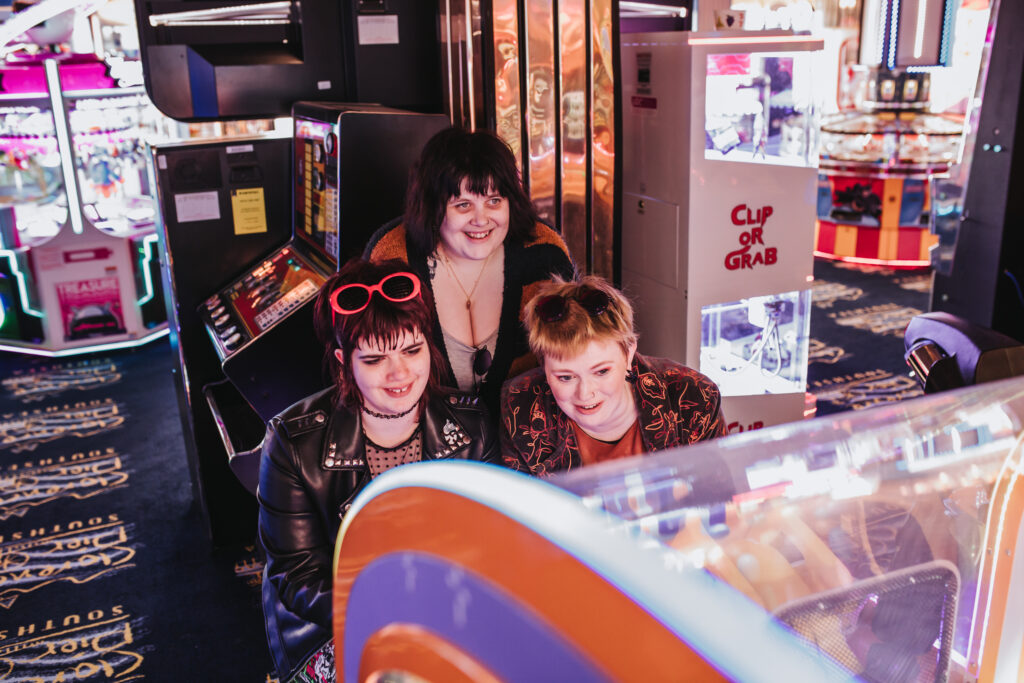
444,436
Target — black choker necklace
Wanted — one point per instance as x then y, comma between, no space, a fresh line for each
385,416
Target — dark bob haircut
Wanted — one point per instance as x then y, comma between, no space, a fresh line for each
483,160
382,321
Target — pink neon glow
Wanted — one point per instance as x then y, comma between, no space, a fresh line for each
890,263
729,64
27,75
763,40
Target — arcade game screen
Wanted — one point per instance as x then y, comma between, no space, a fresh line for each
273,289
315,198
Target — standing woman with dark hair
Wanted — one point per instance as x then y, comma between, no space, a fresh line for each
471,231
386,409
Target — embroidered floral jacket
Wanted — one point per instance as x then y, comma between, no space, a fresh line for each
677,406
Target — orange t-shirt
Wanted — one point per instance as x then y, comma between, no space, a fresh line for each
594,450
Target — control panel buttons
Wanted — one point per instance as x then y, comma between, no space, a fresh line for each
233,341
330,143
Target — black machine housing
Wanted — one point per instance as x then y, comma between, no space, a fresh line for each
244,285
946,351
205,61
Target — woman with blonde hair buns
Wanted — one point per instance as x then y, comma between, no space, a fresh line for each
595,398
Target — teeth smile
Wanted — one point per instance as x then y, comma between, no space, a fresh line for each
478,235
399,392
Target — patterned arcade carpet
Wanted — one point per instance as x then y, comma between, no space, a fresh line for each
106,573
857,323
105,570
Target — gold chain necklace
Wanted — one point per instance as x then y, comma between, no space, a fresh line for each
468,294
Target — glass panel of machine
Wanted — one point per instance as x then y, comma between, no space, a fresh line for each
865,536
756,345
315,200
760,108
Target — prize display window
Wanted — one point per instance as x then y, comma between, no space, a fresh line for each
759,108
757,345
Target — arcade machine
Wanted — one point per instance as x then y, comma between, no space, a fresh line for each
351,164
872,546
203,251
983,282
719,155
880,163
79,271
253,227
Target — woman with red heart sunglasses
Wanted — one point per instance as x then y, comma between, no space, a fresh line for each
385,408
594,397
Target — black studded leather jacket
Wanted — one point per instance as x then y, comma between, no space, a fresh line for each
313,465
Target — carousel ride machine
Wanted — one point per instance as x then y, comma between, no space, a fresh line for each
79,267
882,161
879,167
872,546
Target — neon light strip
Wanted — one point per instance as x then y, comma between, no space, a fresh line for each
894,33
22,287
894,263
766,40
651,9
113,346
947,33
147,247
67,161
882,16
1012,471
922,14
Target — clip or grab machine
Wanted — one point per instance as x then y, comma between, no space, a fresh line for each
719,184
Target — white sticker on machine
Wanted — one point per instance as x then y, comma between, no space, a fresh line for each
197,206
378,29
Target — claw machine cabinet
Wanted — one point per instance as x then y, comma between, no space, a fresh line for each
719,184
80,271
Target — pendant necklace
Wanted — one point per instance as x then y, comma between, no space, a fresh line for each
482,357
